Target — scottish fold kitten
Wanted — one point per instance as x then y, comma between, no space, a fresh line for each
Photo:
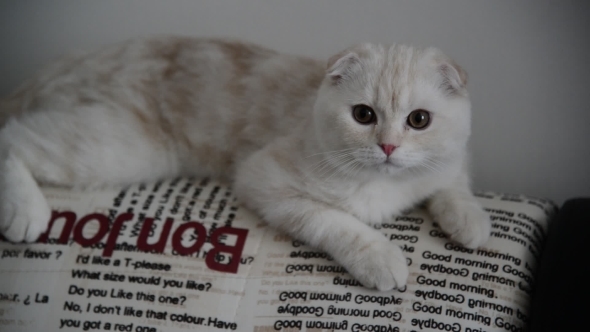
320,153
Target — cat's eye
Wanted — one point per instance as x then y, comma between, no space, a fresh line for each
364,114
419,119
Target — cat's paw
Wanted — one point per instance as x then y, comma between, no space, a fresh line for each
382,265
466,223
24,212
25,220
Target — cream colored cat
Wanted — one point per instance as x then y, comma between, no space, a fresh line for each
319,153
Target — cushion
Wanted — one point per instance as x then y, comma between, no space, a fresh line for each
182,255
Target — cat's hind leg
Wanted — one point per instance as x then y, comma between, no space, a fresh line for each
24,212
85,146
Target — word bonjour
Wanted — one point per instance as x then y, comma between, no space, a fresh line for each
105,227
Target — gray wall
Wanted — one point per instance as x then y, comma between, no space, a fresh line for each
527,61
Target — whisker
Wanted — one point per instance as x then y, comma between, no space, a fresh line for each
331,163
331,157
326,162
339,166
327,152
350,168
357,169
432,165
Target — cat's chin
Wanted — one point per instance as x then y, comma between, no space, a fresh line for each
390,168
395,168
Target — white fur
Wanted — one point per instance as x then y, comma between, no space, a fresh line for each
310,170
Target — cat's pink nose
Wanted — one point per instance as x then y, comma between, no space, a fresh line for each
387,148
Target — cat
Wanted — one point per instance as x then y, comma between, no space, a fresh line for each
320,152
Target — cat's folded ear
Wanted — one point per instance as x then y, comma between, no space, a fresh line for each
454,78
343,64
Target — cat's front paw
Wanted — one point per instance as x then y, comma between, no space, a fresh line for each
381,265
466,223
25,220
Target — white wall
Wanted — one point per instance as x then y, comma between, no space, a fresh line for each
527,60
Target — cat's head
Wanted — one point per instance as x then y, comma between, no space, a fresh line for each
390,109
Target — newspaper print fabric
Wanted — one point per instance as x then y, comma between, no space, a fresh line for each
181,255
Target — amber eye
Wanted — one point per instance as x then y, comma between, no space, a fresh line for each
363,114
419,119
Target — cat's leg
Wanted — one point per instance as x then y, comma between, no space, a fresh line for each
270,186
24,212
83,147
460,215
365,253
